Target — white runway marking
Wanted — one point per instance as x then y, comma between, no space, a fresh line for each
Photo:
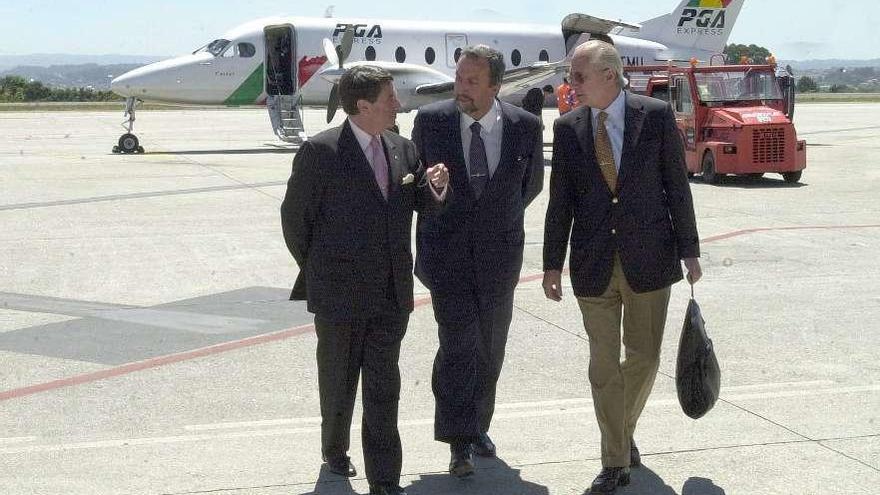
254,429
175,320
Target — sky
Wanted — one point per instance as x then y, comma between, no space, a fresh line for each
791,30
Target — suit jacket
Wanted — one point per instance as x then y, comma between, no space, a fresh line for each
352,246
472,240
648,220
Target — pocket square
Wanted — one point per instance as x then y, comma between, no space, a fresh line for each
407,179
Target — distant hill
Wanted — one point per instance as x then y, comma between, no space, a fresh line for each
47,59
72,76
820,65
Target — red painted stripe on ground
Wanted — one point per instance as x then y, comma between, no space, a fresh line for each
156,362
304,329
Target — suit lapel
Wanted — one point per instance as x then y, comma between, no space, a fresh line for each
458,167
354,156
633,120
583,127
396,168
508,148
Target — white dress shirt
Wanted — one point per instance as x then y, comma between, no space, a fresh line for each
614,124
492,133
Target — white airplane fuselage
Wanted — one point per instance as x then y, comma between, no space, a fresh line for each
237,74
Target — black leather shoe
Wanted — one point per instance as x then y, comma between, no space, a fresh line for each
341,465
386,490
608,480
635,459
484,447
462,463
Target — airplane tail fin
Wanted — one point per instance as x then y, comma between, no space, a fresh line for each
701,26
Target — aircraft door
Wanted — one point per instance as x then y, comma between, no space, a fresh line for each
455,43
280,65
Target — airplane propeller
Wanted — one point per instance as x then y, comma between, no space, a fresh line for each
337,56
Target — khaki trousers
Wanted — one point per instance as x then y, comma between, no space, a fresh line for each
620,389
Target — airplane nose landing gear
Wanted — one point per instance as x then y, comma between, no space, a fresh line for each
128,142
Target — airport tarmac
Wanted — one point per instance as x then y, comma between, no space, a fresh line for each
148,347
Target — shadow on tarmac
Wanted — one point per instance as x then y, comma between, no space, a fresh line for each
331,484
701,486
746,182
493,477
647,482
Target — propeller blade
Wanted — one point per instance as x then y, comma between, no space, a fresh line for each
333,102
330,53
345,46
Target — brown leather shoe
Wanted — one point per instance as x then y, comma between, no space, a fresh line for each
635,459
483,446
608,480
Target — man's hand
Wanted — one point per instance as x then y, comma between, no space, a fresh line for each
694,271
553,284
438,175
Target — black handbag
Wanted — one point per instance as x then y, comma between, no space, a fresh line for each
697,375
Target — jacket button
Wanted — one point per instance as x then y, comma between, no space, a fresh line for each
614,201
613,231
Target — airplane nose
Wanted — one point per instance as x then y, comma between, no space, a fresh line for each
121,85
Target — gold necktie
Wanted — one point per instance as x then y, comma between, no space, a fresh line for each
604,154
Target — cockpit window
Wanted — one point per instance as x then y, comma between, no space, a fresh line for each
215,47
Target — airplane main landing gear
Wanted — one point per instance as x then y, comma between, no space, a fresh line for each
128,142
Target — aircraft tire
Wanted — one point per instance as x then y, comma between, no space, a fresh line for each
128,143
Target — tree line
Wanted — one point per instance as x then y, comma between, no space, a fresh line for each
16,89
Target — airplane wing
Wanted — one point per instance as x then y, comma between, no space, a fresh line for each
524,78
582,23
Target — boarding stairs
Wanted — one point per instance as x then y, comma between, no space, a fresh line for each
286,117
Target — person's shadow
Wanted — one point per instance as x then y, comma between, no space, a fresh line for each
646,482
331,484
493,477
701,486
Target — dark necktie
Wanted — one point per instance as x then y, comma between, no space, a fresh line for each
479,169
604,154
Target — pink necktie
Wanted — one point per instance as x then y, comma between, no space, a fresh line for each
380,165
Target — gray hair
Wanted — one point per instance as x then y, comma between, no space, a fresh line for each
491,55
362,82
603,55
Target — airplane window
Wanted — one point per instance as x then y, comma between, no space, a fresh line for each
216,47
429,55
544,56
400,54
246,50
457,54
370,53
515,58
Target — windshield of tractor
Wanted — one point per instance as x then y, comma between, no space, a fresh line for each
737,86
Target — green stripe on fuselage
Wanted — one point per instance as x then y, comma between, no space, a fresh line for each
249,91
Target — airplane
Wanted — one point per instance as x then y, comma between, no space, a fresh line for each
273,61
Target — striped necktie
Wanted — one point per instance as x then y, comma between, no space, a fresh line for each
604,153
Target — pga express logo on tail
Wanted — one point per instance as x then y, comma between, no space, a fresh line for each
703,17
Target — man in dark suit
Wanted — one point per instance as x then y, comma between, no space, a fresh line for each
619,191
470,255
347,217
